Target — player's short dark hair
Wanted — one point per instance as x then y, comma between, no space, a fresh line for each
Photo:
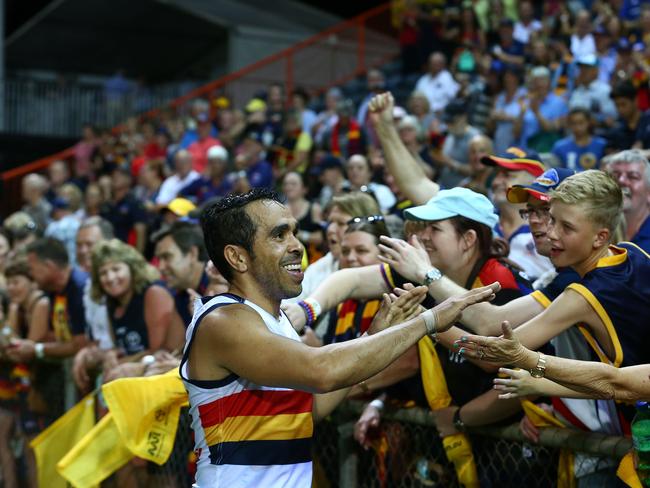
226,222
49,249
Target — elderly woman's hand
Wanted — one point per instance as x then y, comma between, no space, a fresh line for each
504,350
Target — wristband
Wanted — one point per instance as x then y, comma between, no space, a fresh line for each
39,350
148,359
377,403
312,309
458,422
430,323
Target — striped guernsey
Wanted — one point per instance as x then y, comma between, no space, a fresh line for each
245,434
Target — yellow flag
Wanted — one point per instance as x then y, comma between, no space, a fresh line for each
565,466
96,456
146,412
627,472
55,441
458,447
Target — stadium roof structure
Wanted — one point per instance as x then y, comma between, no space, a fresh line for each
159,39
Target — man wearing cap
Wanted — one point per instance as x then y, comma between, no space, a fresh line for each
215,183
516,167
631,169
178,209
64,226
592,94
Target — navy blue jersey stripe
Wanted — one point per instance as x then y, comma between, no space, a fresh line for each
262,453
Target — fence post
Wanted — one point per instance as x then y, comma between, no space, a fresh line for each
348,459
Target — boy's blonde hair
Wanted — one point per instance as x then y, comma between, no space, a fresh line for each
597,192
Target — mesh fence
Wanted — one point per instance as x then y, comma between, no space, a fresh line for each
413,455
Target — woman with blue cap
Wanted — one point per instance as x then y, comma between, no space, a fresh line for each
455,228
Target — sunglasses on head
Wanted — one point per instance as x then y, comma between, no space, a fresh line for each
370,219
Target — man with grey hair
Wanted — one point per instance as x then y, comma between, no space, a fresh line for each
631,169
34,187
183,176
92,231
542,114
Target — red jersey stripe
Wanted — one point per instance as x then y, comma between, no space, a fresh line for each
255,402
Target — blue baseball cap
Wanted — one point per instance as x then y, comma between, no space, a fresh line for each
539,188
453,203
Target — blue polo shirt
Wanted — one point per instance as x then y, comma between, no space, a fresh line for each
579,158
552,108
642,237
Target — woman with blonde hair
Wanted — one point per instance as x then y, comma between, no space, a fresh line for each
140,308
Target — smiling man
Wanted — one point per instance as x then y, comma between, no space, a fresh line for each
249,378
631,169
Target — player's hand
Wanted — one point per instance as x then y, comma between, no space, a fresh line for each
448,312
380,110
409,259
398,307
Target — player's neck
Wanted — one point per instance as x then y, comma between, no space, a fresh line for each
252,292
582,140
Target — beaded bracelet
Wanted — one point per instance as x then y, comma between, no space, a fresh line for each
312,309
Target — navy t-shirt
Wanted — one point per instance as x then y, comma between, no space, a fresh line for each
68,316
124,215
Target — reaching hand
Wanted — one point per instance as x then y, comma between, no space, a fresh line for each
296,316
408,259
520,384
449,311
505,349
399,307
380,110
369,421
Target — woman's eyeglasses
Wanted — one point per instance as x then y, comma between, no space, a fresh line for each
370,219
541,213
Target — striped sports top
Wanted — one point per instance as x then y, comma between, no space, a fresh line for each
245,434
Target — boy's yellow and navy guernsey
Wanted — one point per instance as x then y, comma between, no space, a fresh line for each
247,434
618,289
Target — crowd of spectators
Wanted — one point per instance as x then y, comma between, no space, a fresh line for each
99,268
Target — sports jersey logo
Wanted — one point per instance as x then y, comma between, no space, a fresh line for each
548,178
588,160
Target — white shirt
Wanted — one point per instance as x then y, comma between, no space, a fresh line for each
172,185
522,32
439,89
582,46
97,319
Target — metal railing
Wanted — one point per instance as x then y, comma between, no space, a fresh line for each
327,59
50,108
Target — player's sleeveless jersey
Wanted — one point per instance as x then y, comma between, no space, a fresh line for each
618,289
248,435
